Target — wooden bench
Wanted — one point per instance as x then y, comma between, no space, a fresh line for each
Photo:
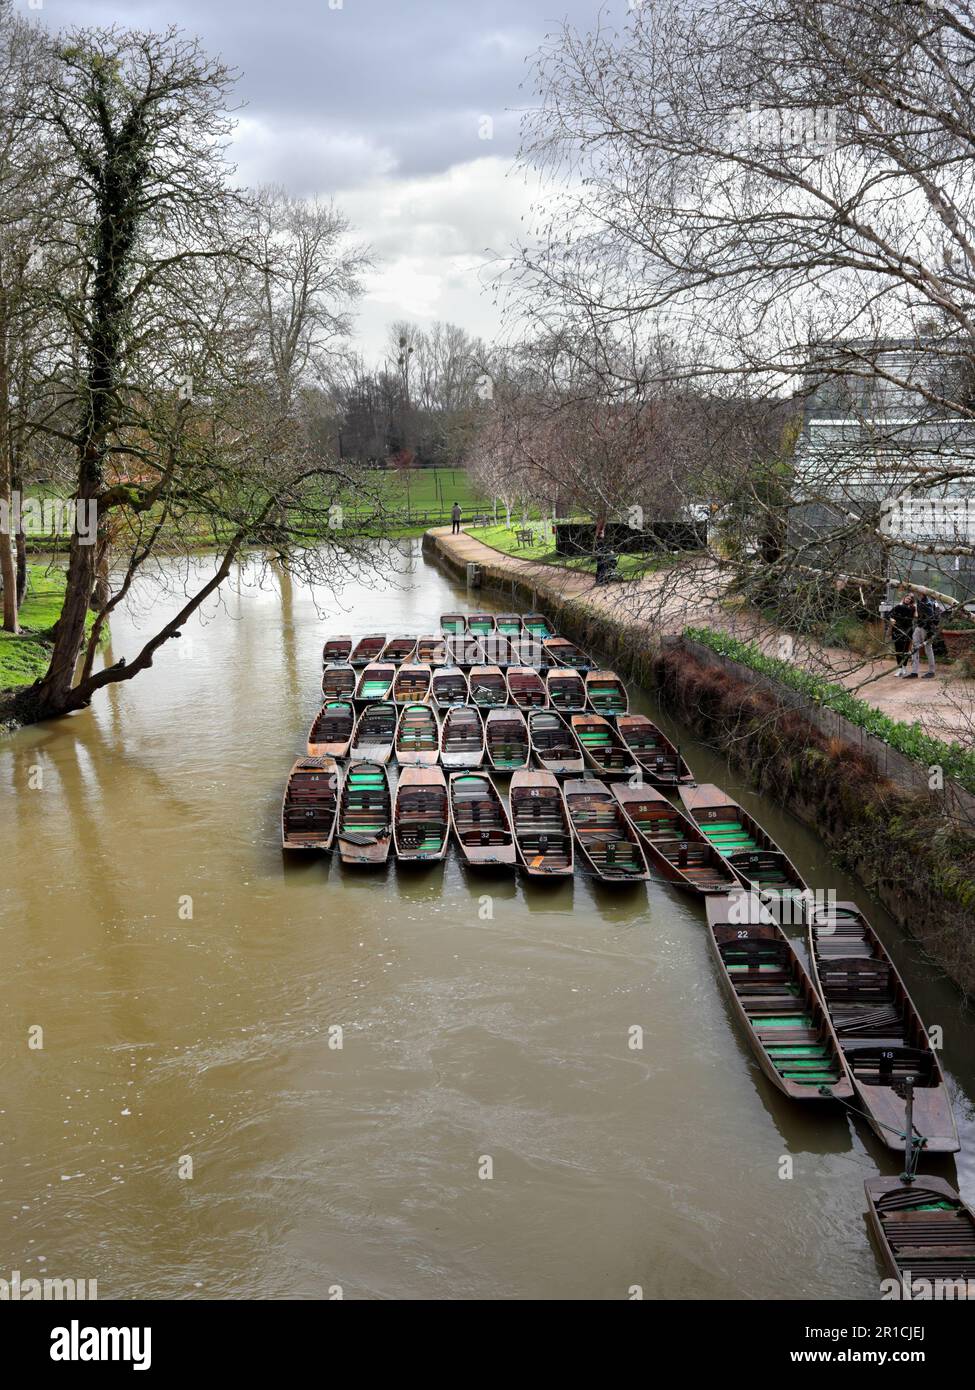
525,537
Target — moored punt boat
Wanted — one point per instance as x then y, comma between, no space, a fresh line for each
487,685
448,686
375,733
526,688
310,804
885,1043
506,739
376,681
606,694
538,626
508,624
338,682
412,684
331,733
543,834
431,651
607,841
336,649
775,1000
365,812
421,816
566,691
453,624
462,738
602,746
417,737
748,848
480,624
660,762
367,649
925,1232
562,652
480,822
675,846
553,744
399,649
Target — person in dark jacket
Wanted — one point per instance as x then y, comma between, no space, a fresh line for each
927,618
455,519
902,623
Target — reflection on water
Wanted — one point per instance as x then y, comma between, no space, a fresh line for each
189,984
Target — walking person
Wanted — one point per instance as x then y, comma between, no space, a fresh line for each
455,519
928,616
902,619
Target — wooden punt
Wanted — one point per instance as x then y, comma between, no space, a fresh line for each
748,848
331,732
453,624
376,682
375,733
925,1232
462,738
480,624
412,683
480,822
562,652
309,805
497,651
607,841
538,626
431,651
421,816
367,649
448,686
338,682
417,737
602,746
508,624
336,649
399,649
879,1029
660,762
488,686
606,694
675,846
775,1000
566,691
554,745
365,815
542,831
506,739
526,688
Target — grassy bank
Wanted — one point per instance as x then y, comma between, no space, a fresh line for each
24,657
542,551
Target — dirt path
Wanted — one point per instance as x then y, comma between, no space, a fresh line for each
672,599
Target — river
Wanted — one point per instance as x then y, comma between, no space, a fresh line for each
189,1126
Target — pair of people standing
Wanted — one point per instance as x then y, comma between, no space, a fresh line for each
913,623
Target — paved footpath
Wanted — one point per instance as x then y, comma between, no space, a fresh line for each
677,597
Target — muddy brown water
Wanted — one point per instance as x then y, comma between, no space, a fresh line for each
481,1020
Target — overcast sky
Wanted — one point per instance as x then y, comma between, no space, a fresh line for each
381,103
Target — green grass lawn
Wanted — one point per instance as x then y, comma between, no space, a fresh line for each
25,656
542,550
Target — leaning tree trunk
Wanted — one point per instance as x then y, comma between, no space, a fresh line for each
21,566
